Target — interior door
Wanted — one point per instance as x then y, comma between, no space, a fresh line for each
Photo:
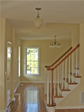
8,76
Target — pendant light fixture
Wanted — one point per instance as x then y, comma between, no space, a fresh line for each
55,44
38,21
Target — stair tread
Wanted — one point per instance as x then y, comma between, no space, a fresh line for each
49,105
78,76
73,83
67,80
65,90
58,96
74,74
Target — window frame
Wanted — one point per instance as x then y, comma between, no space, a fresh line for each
26,61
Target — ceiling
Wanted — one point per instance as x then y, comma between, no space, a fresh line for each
21,14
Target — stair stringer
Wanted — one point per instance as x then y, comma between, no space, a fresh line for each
66,93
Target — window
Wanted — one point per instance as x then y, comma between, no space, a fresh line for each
19,62
32,61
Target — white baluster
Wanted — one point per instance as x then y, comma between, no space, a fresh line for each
65,73
72,67
55,82
47,87
76,61
58,79
45,81
50,88
69,70
62,73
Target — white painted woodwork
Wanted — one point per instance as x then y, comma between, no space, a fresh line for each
65,73
54,82
58,80
51,109
69,70
62,73
76,61
72,66
47,87
45,80
8,72
50,87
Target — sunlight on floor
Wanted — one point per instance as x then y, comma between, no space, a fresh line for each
32,101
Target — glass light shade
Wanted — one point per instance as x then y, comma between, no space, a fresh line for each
58,46
53,46
38,22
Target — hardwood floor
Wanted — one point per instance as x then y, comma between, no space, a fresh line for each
30,98
70,110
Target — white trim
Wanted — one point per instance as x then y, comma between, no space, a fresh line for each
16,87
50,109
32,81
70,107
7,72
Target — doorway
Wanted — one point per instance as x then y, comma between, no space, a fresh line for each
8,76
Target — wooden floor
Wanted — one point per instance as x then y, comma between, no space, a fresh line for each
30,98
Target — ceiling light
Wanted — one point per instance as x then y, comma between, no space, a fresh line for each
38,21
55,44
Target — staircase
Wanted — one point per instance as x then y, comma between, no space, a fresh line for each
62,77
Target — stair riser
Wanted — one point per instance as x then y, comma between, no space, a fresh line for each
73,78
50,109
72,87
66,93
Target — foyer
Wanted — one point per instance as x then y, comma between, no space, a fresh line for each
30,98
26,75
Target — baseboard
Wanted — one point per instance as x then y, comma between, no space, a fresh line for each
32,81
27,82
16,87
70,107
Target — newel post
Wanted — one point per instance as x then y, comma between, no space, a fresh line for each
51,105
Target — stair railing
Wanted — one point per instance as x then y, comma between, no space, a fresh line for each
46,67
59,74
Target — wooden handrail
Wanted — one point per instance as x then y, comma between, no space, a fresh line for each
59,58
64,58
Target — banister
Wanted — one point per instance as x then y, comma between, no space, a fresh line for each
59,58
64,58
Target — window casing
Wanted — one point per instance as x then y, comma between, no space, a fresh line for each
32,61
